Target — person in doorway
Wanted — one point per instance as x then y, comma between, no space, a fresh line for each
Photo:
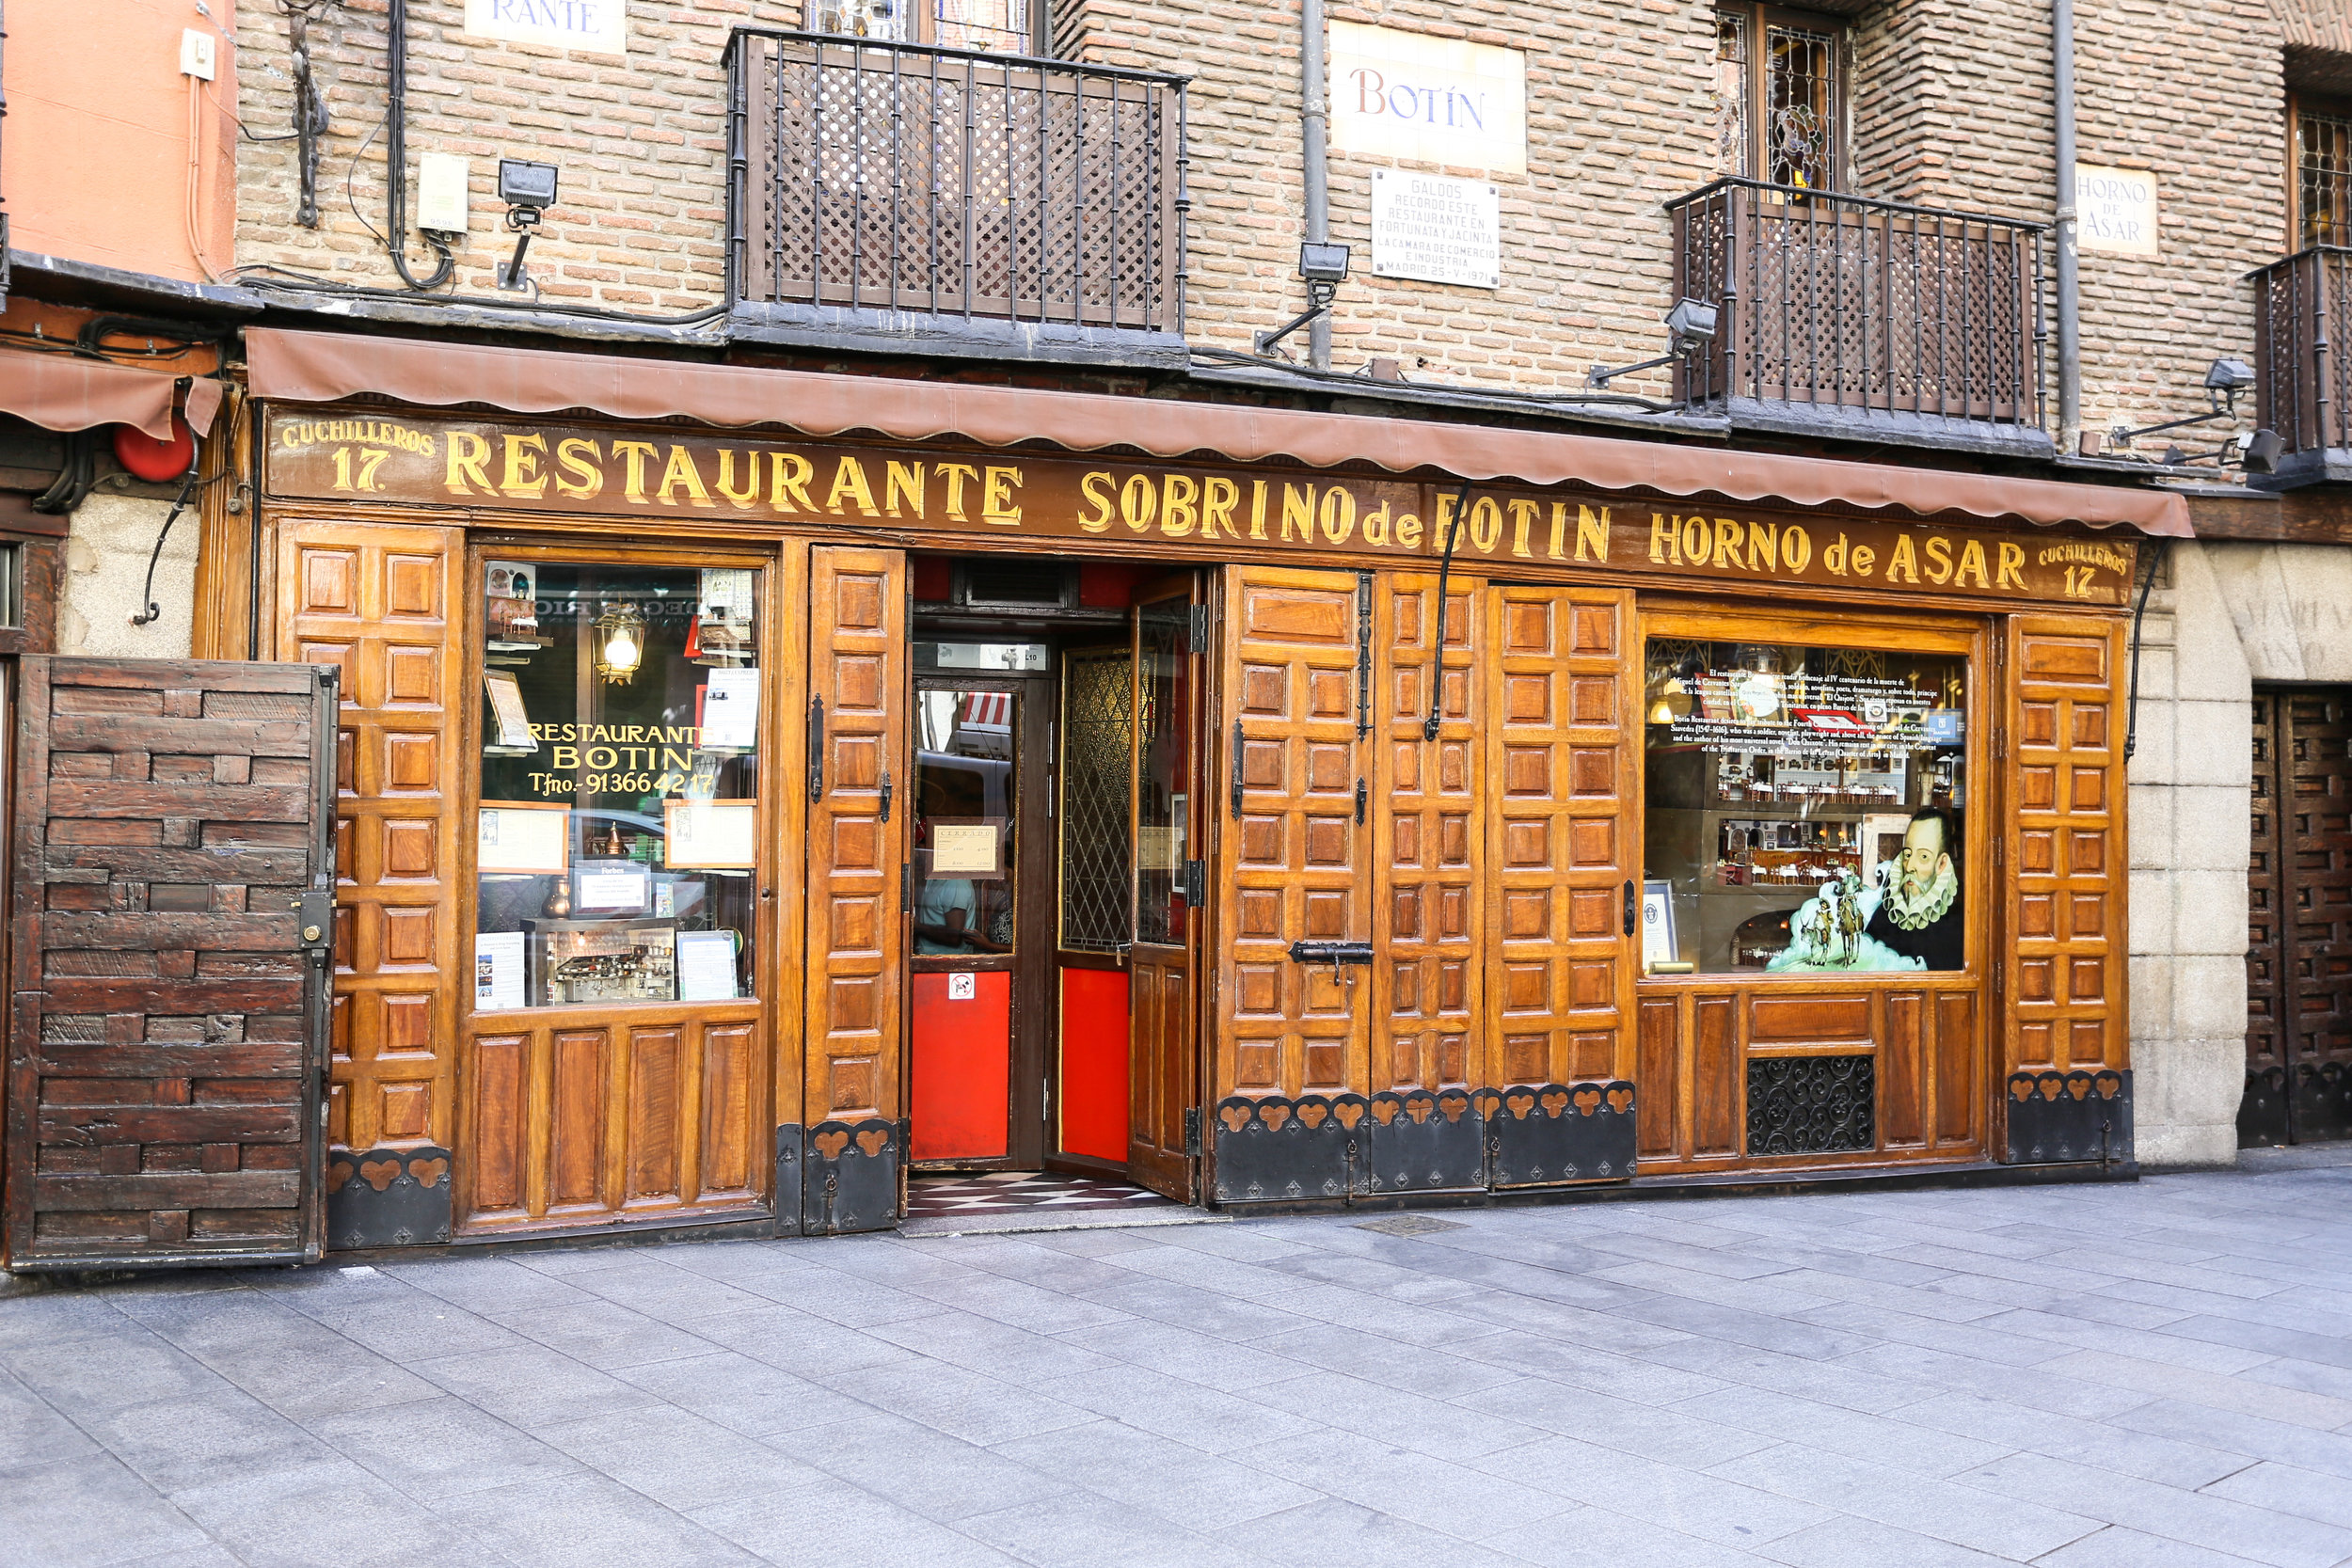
947,918
1919,915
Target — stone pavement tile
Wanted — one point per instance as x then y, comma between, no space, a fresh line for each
1814,1257
195,1557
2035,1387
1666,1495
997,1349
1945,1509
2118,1547
744,1264
413,1327
1843,1382
1020,1305
605,1335
2142,1344
1226,1276
2285,1489
2199,1519
1850,1542
840,1525
33,1432
1373,1276
2329,1453
1081,1530
1786,1336
1145,1471
1211,1362
1892,1325
1440,1372
844,1298
1092,1243
1249,1241
309,1377
2213,1280
1404,1321
1946,1252
1209,1419
2301,1344
1191,1307
1913,1299
962,1404
1723,1261
660,1290
1887,1440
798,1341
531,1384
88,1509
2157,1293
91,1377
441,1448
181,1442
491,1286
1465,1502
1771,1296
1441,1428
2188,1466
1569,1324
2309,1377
1023,1258
1519,1352
2246,1398
588,1522
1598,1538
926,1471
2064,1303
677,1458
2141,1246
741,1394
333,1512
1336,1531
45,1322
1543,1408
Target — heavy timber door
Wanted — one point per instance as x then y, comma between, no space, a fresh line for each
167,1045
857,865
1163,1137
2299,960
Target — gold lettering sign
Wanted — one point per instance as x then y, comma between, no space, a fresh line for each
714,477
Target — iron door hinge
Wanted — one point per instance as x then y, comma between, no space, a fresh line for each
1192,1130
1196,875
1199,640
906,885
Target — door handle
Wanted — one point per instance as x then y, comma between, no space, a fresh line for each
1360,799
1632,915
1238,769
815,750
1332,953
885,795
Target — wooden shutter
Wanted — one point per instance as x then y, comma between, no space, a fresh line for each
168,1042
1562,714
2063,865
857,855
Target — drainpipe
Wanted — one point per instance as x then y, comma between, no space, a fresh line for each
2070,322
1314,115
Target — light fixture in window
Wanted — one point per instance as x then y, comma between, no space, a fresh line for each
620,643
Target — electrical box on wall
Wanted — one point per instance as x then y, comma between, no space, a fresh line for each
197,53
441,193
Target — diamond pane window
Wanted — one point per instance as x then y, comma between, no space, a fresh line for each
2323,159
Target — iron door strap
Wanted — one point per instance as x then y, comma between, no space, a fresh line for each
1192,1130
815,750
1238,744
1196,878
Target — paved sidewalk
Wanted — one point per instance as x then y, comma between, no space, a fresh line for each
2080,1377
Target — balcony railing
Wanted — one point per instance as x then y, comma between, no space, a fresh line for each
1836,304
2302,326
887,179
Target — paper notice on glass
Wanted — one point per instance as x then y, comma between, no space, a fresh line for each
710,835
506,712
966,849
498,970
731,709
706,966
726,594
515,837
620,888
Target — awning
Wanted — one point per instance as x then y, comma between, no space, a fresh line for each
314,367
66,392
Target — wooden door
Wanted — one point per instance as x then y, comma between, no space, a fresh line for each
1164,1071
2298,1037
167,1045
857,868
2062,965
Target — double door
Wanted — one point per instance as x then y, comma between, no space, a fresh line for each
2298,959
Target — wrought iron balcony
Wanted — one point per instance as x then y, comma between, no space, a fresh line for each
1843,315
954,200
2302,379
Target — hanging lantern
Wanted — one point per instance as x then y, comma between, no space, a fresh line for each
620,643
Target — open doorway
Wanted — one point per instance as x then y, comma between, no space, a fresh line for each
1052,1053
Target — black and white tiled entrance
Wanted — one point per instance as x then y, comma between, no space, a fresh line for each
1012,1191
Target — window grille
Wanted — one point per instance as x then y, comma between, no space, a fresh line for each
1801,108
2323,157
1098,788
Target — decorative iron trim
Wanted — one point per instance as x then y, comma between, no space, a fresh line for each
791,1145
381,1197
2059,1117
1424,1141
1812,1104
849,1177
2262,1110
2323,1102
1553,1135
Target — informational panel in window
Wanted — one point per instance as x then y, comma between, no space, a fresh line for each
1410,97
1435,229
591,26
2115,210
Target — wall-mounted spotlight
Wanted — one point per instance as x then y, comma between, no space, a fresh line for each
1690,327
529,190
1324,265
2225,378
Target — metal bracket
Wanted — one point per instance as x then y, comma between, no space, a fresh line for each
885,795
1332,953
1192,1130
1199,630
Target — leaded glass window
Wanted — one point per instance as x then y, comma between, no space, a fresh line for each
2322,162
1779,92
1097,799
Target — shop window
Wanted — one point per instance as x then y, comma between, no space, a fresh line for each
966,787
999,26
2322,140
1097,799
619,822
1779,85
1806,809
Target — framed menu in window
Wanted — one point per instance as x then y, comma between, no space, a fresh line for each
710,835
523,836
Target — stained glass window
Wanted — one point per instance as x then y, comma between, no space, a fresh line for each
2323,159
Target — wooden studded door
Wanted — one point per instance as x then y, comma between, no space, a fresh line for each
857,866
2298,961
2061,757
168,1042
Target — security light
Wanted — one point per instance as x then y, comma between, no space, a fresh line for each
2229,375
1690,327
529,190
2260,453
1323,261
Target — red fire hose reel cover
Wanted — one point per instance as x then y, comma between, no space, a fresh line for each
156,461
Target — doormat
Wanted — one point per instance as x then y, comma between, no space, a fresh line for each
1411,1225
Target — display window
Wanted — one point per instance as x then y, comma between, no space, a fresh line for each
618,824
965,789
1807,807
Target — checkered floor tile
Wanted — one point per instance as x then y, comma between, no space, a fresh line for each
1004,1192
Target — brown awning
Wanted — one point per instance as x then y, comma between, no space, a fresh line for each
66,392
314,367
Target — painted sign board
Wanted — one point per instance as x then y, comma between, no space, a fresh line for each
1411,98
589,26
2115,210
1437,230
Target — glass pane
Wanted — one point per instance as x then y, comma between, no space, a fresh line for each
1800,107
885,20
1805,808
965,795
1163,814
619,824
1097,792
1731,93
998,25
2324,178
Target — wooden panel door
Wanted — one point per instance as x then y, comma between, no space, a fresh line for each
1563,708
1296,849
2299,990
384,603
167,1042
1163,1072
2262,1115
857,861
